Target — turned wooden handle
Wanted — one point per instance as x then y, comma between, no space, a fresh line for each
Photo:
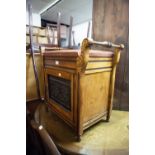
106,44
84,57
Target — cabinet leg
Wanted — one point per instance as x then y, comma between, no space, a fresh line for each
79,134
79,138
108,117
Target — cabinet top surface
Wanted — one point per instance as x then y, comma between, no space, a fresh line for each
76,53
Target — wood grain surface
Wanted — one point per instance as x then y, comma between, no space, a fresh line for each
111,22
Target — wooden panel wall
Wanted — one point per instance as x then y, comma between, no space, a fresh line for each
111,23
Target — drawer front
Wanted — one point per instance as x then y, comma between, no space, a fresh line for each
28,39
42,40
42,32
60,63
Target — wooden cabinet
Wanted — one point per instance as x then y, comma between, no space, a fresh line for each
47,35
80,84
41,35
31,93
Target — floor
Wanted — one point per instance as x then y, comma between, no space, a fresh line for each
115,141
102,139
34,145
32,105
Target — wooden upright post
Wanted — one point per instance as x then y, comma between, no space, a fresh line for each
70,32
32,50
58,29
73,32
88,30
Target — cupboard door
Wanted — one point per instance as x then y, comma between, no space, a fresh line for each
59,93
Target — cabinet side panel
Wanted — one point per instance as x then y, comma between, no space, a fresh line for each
94,90
31,90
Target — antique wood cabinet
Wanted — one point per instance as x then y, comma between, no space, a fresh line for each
79,84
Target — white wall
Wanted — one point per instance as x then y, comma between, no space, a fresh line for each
81,32
36,19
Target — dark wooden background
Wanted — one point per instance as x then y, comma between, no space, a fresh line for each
111,22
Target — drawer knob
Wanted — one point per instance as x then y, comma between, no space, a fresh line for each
57,62
59,74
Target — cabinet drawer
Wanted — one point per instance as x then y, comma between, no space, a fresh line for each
57,73
60,63
42,32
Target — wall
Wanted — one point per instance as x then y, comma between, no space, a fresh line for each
80,32
111,22
36,19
